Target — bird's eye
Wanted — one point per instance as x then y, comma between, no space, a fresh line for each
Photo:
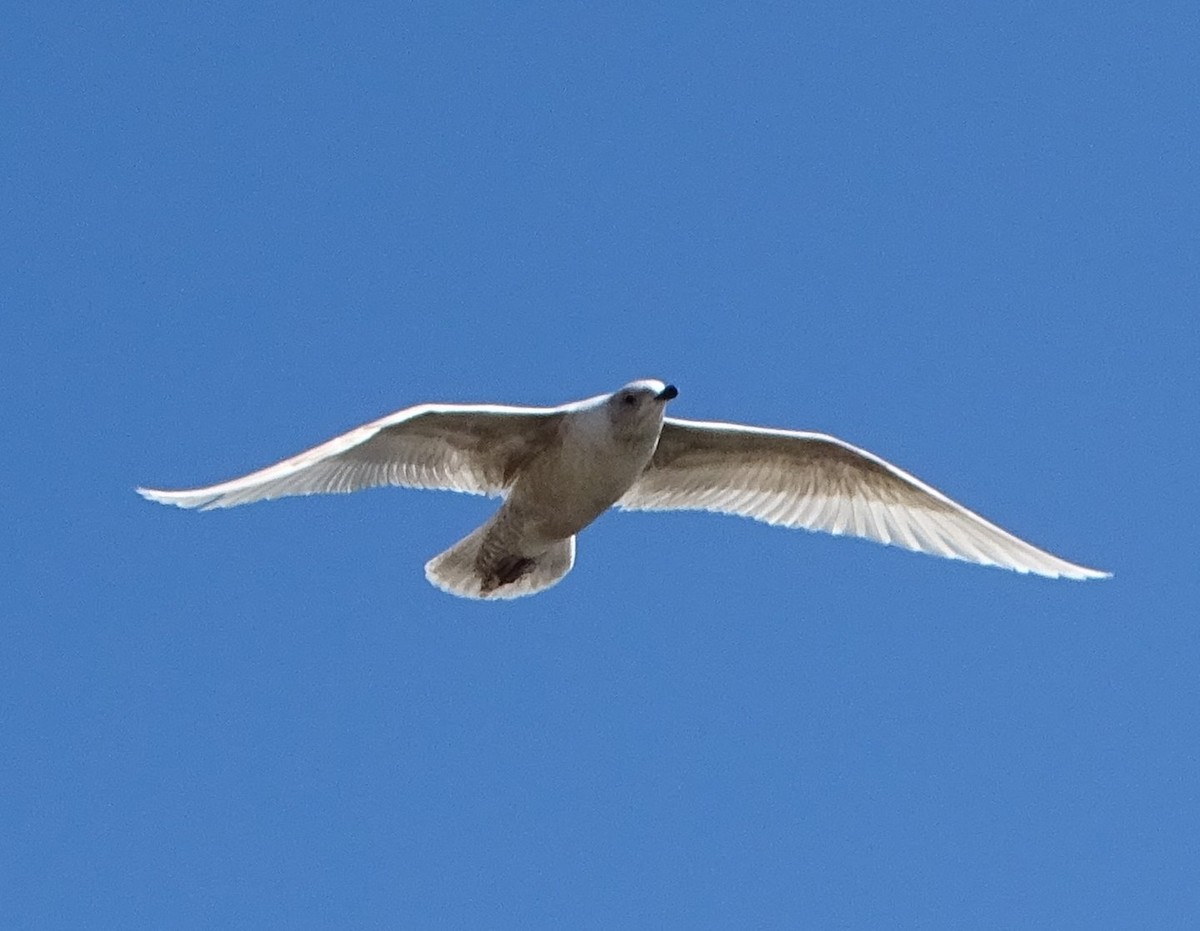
628,400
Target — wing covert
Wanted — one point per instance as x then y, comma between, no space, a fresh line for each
470,448
817,482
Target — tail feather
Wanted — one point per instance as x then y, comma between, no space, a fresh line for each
467,571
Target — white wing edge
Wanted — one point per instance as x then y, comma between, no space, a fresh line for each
856,517
242,489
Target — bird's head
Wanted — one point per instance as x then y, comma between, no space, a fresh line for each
639,406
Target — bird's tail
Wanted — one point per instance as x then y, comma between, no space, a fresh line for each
475,567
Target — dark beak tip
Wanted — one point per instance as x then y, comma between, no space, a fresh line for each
668,393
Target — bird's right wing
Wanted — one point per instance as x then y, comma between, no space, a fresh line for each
818,482
472,448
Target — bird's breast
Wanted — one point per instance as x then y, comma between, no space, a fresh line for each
567,488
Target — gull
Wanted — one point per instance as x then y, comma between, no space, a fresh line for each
559,468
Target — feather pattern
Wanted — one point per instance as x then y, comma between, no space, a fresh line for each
817,482
478,449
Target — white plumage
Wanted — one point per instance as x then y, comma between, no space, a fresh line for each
559,468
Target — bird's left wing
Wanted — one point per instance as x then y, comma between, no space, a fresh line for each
817,482
472,448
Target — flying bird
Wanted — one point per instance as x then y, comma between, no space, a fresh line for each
559,468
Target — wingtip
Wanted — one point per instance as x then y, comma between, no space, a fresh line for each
1083,574
177,499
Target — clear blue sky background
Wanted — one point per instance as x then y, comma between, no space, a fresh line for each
963,236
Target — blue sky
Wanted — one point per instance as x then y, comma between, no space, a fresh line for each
961,236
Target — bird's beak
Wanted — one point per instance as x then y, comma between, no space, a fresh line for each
667,393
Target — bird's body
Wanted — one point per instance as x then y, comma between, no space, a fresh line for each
579,470
558,469
570,483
